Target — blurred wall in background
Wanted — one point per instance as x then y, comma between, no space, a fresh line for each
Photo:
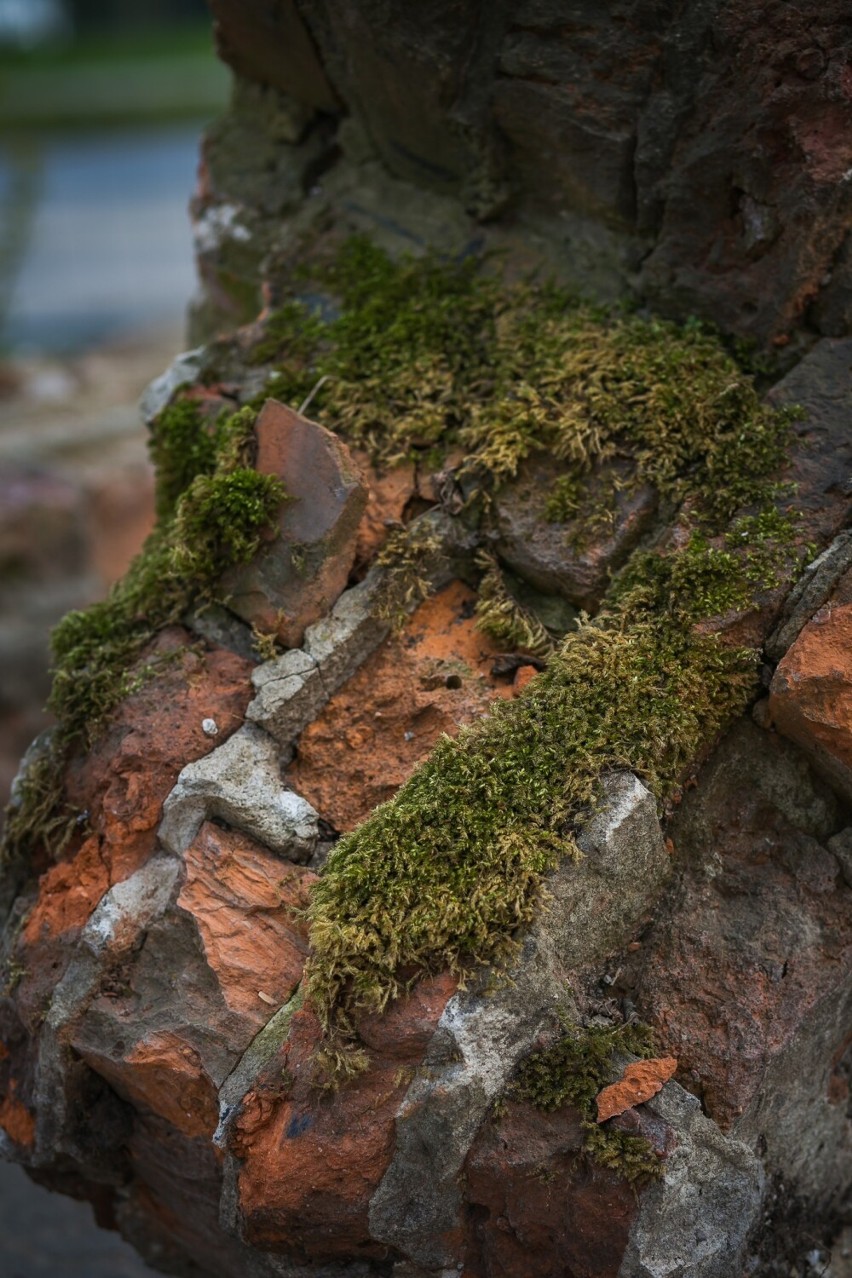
101,106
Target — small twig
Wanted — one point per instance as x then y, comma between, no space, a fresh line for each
306,403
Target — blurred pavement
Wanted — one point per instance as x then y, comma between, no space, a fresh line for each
45,1235
108,247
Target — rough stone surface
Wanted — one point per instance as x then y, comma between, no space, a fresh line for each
567,1218
709,149
483,1034
561,558
302,573
821,459
240,782
245,904
747,974
389,493
335,1148
184,370
697,1219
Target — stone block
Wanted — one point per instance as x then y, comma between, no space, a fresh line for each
299,575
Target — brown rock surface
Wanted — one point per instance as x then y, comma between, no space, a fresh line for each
297,578
433,678
165,1076
120,785
16,1120
810,698
124,779
538,1210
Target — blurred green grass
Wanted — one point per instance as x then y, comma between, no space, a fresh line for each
155,77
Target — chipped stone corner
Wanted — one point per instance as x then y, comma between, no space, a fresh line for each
697,1219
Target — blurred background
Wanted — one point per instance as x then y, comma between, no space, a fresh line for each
102,103
101,106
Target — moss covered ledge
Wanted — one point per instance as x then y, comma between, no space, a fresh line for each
432,360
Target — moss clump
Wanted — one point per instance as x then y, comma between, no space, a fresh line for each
215,522
500,616
424,353
419,354
572,1072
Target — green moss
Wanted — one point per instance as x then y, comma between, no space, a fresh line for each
181,447
422,354
565,499
631,1157
500,616
35,812
425,354
572,1072
220,521
215,522
575,1068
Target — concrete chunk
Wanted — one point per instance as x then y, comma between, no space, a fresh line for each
342,641
240,783
696,1220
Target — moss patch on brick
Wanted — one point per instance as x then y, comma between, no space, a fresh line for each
425,355
213,511
572,1072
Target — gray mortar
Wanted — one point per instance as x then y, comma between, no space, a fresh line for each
483,1033
293,688
807,597
122,915
240,783
184,370
695,1221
